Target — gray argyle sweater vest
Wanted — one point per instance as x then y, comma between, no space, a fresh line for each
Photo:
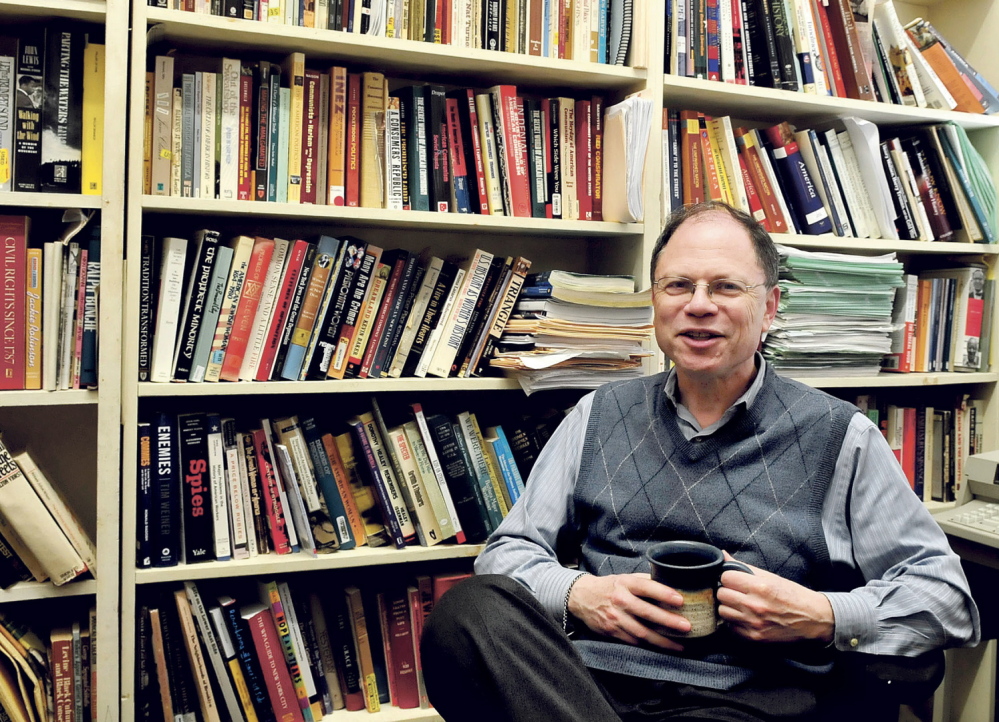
754,488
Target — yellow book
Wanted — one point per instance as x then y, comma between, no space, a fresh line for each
372,118
33,309
495,475
92,145
722,171
294,69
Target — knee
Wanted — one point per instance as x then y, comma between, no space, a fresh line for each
461,614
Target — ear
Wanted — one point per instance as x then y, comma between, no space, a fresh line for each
770,310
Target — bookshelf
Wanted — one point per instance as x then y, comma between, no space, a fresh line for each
585,246
82,459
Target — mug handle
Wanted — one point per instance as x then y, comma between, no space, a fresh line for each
734,566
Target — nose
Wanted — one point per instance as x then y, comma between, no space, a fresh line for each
700,300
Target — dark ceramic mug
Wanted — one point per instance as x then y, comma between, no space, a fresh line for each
693,569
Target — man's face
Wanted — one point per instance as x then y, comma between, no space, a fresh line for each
712,337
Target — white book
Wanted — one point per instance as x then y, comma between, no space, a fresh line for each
60,510
297,639
322,14
904,168
431,487
162,124
244,489
412,479
455,324
291,499
206,159
435,335
836,193
168,308
861,220
176,140
229,142
27,514
220,496
861,190
242,248
415,316
435,464
727,43
67,346
234,490
290,433
52,258
262,318
490,158
210,642
580,34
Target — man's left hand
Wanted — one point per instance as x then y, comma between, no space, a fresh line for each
765,607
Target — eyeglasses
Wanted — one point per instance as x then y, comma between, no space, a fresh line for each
719,290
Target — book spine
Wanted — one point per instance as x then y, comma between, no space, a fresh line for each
197,495
13,313
28,122
271,500
166,492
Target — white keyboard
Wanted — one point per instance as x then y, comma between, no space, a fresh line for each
977,520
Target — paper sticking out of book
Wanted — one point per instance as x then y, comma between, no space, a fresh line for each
626,137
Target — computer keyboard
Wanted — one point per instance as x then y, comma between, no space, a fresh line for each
977,520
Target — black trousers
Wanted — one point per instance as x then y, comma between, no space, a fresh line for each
491,653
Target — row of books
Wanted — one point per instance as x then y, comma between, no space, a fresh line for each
597,31
923,183
48,682
942,321
833,47
52,103
262,308
932,442
51,296
208,491
289,134
277,650
41,538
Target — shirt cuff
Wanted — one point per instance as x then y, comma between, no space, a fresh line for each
553,590
856,622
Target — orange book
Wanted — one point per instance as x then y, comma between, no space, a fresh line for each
923,323
710,158
690,144
849,51
337,145
749,152
934,54
834,73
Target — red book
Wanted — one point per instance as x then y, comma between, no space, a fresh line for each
443,582
909,444
480,171
402,651
61,662
81,296
353,180
834,73
584,160
276,521
415,603
244,188
749,151
690,144
712,40
282,307
564,28
242,325
310,138
14,256
509,114
597,140
857,82
755,204
266,641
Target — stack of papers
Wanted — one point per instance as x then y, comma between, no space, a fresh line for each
550,342
834,315
626,137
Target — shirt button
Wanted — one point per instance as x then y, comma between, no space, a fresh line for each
854,642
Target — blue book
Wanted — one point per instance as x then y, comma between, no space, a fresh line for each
88,354
484,492
602,9
327,483
246,654
165,534
213,306
964,181
800,191
508,466
323,265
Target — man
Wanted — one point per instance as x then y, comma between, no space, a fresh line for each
721,450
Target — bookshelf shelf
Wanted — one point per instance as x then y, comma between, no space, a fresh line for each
877,245
898,380
266,388
92,10
413,58
30,591
49,200
774,106
48,398
380,218
301,562
388,714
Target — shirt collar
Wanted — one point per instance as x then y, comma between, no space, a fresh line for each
689,425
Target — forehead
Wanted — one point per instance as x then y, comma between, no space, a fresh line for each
712,244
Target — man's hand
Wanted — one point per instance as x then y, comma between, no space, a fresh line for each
764,607
623,606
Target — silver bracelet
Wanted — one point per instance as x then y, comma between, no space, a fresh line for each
565,603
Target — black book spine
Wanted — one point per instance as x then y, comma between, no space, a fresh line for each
393,324
344,651
431,316
197,495
166,490
247,657
480,312
197,289
296,307
371,474
182,687
147,303
249,10
144,499
261,143
784,43
461,485
232,8
62,118
905,224
929,190
535,137
439,175
328,327
12,569
29,106
555,175
762,45
430,15
147,686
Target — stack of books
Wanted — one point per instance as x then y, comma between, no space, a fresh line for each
52,110
830,48
288,133
916,183
300,484
574,330
597,31
835,313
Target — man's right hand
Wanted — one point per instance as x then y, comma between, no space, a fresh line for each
624,606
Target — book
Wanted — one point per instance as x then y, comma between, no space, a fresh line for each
461,484
241,300
270,657
196,497
14,230
203,685
29,103
359,626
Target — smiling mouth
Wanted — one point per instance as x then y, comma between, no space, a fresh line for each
700,335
